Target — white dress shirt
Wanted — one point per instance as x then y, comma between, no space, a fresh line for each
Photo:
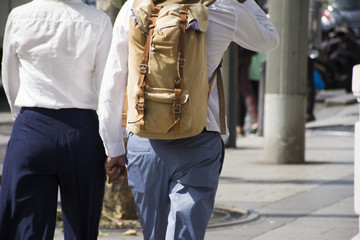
54,55
246,24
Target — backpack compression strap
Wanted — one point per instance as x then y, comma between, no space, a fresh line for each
143,68
180,66
140,105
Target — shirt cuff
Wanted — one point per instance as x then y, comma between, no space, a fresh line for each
115,150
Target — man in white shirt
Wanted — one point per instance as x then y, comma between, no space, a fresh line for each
174,181
53,61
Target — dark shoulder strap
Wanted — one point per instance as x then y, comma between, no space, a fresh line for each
221,96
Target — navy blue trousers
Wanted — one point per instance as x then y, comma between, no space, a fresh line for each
50,149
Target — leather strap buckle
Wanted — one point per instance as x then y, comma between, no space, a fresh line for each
143,68
177,108
140,106
181,62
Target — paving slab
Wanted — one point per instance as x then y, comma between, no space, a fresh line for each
330,223
342,99
322,95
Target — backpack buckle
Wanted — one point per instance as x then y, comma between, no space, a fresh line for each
140,106
143,68
181,62
177,108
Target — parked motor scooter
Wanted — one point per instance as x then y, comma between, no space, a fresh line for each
335,59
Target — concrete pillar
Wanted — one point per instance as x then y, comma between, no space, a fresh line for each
356,92
285,90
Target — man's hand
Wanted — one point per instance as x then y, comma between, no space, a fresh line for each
115,169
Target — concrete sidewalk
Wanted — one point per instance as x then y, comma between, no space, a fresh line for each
309,201
306,201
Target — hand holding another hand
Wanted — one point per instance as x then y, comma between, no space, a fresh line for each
115,169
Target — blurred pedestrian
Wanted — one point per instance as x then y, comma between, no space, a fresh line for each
247,96
255,74
53,61
314,38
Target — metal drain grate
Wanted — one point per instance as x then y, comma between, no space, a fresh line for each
224,216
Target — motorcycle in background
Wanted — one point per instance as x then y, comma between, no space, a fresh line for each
334,61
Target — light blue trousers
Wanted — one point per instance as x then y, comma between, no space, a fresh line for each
174,183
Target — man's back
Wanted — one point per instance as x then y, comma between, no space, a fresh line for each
56,43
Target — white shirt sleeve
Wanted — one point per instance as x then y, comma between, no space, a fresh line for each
254,29
245,24
102,52
10,67
113,86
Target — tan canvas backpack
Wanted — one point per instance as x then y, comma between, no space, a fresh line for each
168,85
